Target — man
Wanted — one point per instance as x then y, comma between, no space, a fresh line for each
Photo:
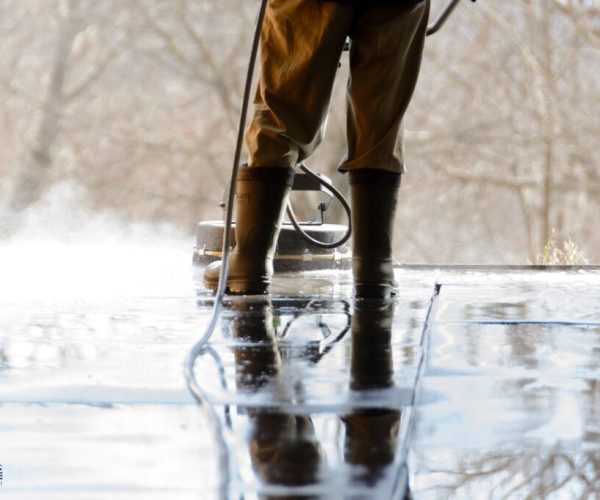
301,44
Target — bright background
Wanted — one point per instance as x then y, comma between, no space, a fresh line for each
126,110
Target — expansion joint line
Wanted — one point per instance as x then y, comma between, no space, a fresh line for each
402,487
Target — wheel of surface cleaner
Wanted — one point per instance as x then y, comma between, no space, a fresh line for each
293,252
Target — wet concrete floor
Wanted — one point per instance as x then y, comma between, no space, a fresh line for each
472,383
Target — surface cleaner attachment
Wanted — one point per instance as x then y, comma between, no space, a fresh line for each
294,250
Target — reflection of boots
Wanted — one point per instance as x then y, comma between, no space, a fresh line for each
371,442
283,447
257,360
371,434
374,195
261,194
371,365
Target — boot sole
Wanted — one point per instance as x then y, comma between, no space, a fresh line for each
240,287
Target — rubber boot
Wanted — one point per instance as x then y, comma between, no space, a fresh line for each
374,194
261,196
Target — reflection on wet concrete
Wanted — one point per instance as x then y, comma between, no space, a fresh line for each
511,396
291,452
313,390
282,446
511,472
372,434
313,341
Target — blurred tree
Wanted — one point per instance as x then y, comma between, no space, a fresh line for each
29,181
137,101
502,134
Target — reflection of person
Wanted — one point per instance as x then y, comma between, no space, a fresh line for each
371,434
301,44
283,446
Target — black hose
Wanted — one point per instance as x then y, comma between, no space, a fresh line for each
339,196
230,202
200,346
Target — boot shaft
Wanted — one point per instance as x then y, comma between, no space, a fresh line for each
261,196
374,195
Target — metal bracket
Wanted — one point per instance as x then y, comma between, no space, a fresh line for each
306,182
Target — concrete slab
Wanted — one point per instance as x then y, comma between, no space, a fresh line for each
472,380
509,398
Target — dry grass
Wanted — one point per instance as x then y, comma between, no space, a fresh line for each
555,254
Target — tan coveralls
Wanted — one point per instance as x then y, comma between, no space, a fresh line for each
301,45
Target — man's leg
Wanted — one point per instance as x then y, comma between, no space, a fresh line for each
385,58
301,45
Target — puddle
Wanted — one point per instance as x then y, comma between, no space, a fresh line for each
509,405
310,391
